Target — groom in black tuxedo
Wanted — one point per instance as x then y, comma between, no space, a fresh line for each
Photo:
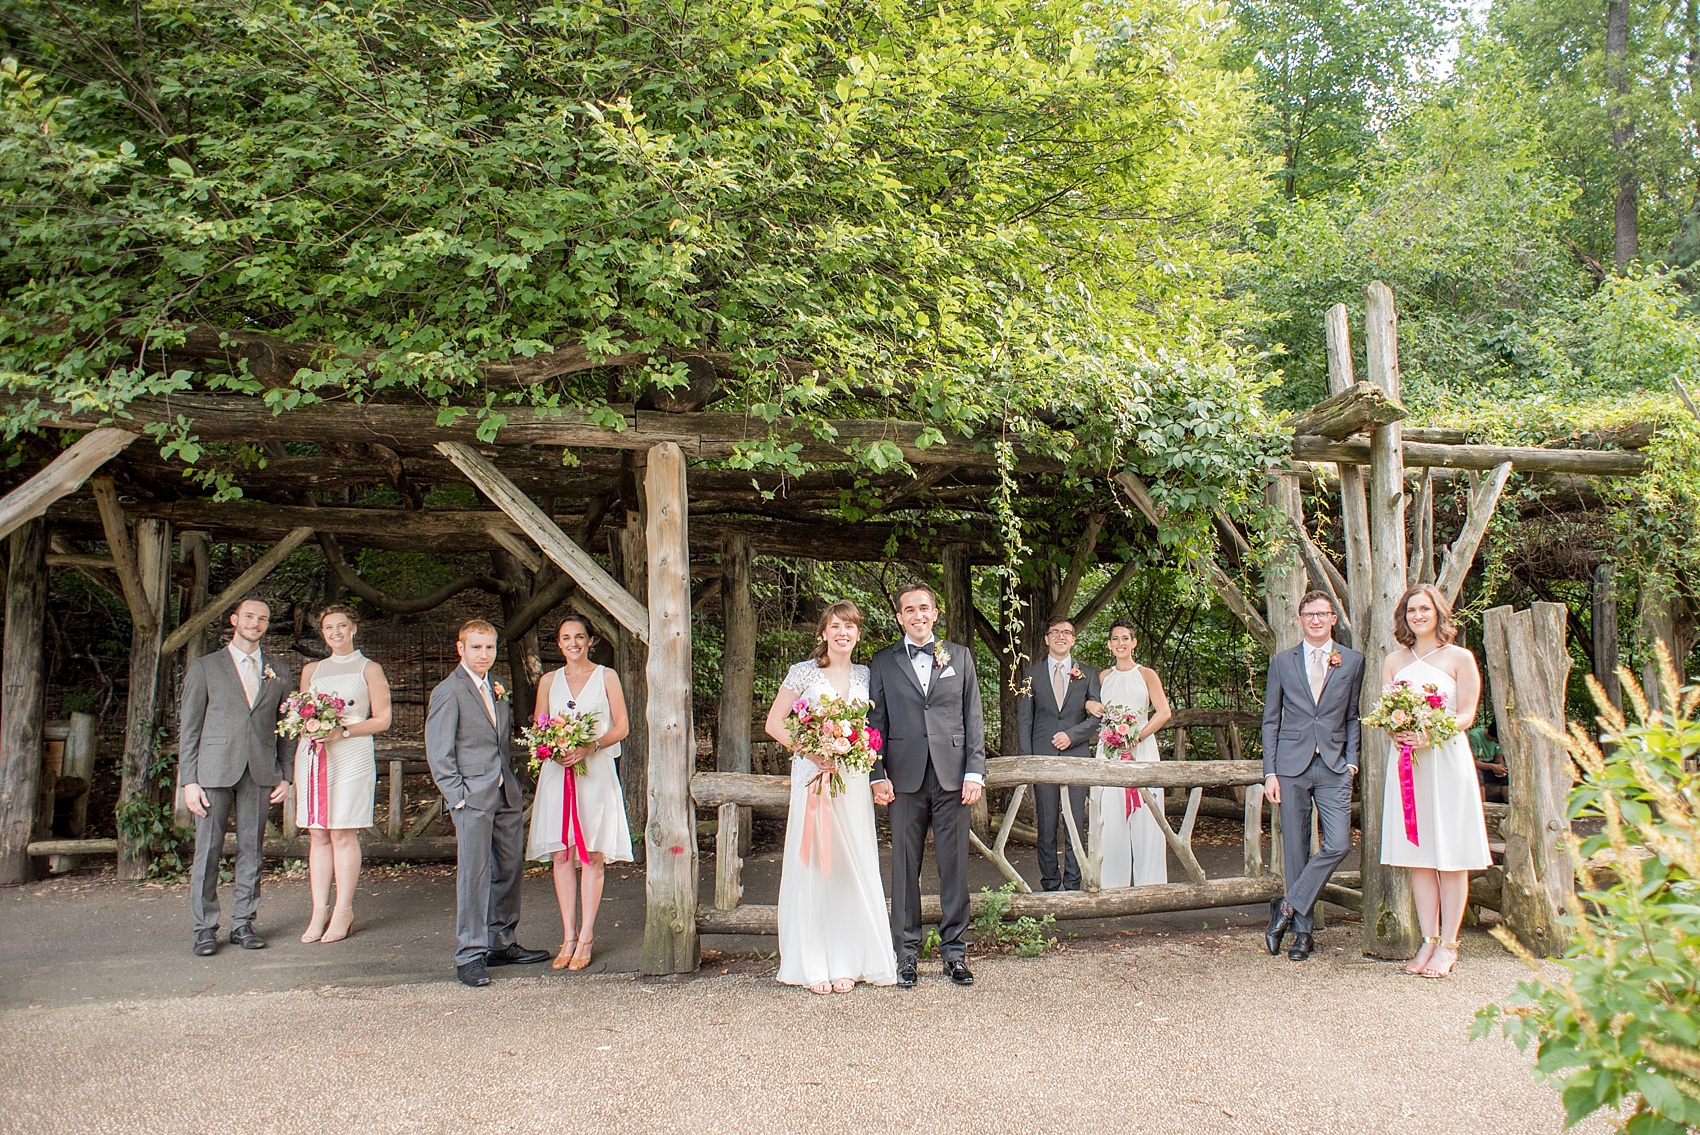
1310,755
931,772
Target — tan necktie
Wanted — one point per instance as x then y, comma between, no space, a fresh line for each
1318,674
1059,683
251,678
489,702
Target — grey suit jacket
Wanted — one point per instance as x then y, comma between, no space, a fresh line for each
219,735
1038,719
1295,727
468,754
945,725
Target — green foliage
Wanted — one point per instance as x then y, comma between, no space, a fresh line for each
146,825
1026,937
1617,1028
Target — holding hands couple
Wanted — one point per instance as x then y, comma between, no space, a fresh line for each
924,702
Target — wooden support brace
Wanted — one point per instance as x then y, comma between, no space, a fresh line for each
728,864
123,553
516,546
1254,831
1077,565
63,476
1483,500
244,583
1361,406
534,522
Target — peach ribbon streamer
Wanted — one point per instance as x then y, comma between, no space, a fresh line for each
817,825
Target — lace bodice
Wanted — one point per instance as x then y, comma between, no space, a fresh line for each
806,679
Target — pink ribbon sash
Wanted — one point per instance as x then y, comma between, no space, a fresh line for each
571,834
319,788
1132,794
1408,794
817,824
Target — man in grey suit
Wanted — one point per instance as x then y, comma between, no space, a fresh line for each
1310,754
467,729
231,760
931,772
1052,719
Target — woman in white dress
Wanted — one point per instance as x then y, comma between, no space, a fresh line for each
833,927
581,848
1451,831
333,796
1125,837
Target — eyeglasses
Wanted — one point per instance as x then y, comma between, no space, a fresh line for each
1060,632
1310,615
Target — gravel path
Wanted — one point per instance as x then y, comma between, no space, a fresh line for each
1194,1032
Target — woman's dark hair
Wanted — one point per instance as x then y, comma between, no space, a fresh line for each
1125,625
843,609
1444,628
575,617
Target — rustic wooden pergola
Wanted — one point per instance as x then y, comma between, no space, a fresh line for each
644,598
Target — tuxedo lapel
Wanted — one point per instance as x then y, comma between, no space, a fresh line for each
907,665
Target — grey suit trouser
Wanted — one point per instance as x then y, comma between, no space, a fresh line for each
1331,793
491,858
1047,811
250,801
911,813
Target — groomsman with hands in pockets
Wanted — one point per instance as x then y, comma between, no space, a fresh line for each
1055,718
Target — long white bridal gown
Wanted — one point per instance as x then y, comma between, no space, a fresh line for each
1130,842
832,915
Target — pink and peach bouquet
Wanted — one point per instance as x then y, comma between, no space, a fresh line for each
311,715
553,738
1406,708
835,730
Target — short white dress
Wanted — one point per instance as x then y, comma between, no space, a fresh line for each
1451,827
601,803
833,923
337,792
1130,843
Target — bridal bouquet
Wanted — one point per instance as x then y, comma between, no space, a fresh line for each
552,738
310,715
1118,732
1405,708
835,729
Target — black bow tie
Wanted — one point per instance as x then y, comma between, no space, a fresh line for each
916,651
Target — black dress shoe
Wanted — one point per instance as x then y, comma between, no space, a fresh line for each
473,974
958,972
1303,944
1280,921
242,934
516,955
906,975
206,943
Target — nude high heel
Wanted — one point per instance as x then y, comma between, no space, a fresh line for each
342,924
565,957
316,925
1412,967
578,962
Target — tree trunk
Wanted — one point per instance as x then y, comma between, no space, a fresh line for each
1605,634
1625,213
1354,513
738,658
1285,579
1389,915
153,568
23,691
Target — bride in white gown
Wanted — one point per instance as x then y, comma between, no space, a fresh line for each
833,926
1125,837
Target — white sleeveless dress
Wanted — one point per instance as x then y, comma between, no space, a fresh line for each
601,803
1133,851
351,769
833,923
1451,828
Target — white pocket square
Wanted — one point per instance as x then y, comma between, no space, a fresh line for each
948,672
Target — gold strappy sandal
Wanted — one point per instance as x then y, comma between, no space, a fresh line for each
1411,967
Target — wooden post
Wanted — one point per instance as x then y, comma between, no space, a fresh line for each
728,862
632,660
1605,634
195,549
153,571
1285,584
1421,567
1389,916
1528,667
1354,512
398,802
76,776
1254,832
23,692
737,669
670,942
1658,624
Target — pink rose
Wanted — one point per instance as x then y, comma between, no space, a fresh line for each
308,711
875,741
558,720
1399,717
545,752
1436,700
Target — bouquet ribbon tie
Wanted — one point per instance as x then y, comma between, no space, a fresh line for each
571,834
1408,794
319,788
817,824
1133,799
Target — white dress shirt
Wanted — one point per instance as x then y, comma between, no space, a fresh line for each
923,665
248,669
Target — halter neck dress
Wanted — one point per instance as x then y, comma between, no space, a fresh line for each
351,769
1451,828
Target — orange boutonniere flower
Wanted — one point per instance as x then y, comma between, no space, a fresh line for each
1333,659
1075,674
498,689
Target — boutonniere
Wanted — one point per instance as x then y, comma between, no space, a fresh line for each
269,675
1333,659
499,690
941,656
1075,674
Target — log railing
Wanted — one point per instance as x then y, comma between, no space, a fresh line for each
729,793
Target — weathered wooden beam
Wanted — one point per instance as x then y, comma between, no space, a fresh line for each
728,863
1389,913
117,531
243,584
1526,458
557,545
23,692
81,560
1421,567
1225,587
141,718
1605,633
63,476
1077,565
1106,595
517,547
670,942
1360,407
1456,567
1119,902
738,656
